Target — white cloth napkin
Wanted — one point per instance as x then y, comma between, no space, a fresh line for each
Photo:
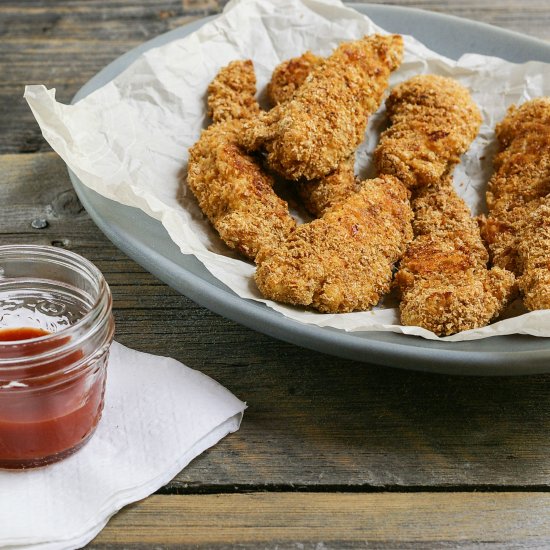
158,416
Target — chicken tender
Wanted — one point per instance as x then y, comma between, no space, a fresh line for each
433,121
231,95
504,233
319,194
289,75
443,277
522,167
534,258
312,133
517,228
343,261
231,188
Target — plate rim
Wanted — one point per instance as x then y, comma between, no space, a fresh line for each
402,352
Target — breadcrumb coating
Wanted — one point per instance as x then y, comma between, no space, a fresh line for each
534,258
439,210
231,188
517,228
343,261
289,75
231,95
433,121
503,234
312,133
319,194
522,167
443,277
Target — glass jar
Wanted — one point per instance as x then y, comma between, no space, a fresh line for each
56,327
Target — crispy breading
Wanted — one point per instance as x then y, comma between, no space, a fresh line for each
450,305
522,167
343,261
229,184
504,233
231,95
439,210
433,121
312,133
320,194
534,258
516,229
443,277
289,75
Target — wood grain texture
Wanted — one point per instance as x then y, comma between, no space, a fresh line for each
313,420
531,17
63,44
323,437
327,520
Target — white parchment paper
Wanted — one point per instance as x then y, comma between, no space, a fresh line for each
129,140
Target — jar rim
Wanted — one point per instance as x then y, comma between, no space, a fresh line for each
99,308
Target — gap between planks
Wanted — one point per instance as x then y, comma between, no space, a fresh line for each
309,517
245,488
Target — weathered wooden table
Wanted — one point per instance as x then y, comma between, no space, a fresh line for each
331,453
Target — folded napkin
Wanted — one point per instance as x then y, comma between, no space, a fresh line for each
158,416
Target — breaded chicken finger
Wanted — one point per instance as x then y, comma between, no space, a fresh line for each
321,193
443,278
229,184
522,166
343,261
323,123
433,121
231,95
289,75
517,229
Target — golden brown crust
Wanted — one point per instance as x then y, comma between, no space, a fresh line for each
517,228
320,194
443,277
343,261
534,257
289,75
231,93
522,167
439,210
229,184
433,121
309,135
235,193
450,305
504,233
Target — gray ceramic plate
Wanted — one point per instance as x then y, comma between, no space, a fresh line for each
146,241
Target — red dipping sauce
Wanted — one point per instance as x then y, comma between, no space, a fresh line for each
52,413
56,328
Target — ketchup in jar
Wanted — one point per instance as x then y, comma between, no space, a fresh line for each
56,328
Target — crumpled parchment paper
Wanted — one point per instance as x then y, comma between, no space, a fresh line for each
129,140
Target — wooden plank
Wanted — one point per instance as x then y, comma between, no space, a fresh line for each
63,44
326,520
313,420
